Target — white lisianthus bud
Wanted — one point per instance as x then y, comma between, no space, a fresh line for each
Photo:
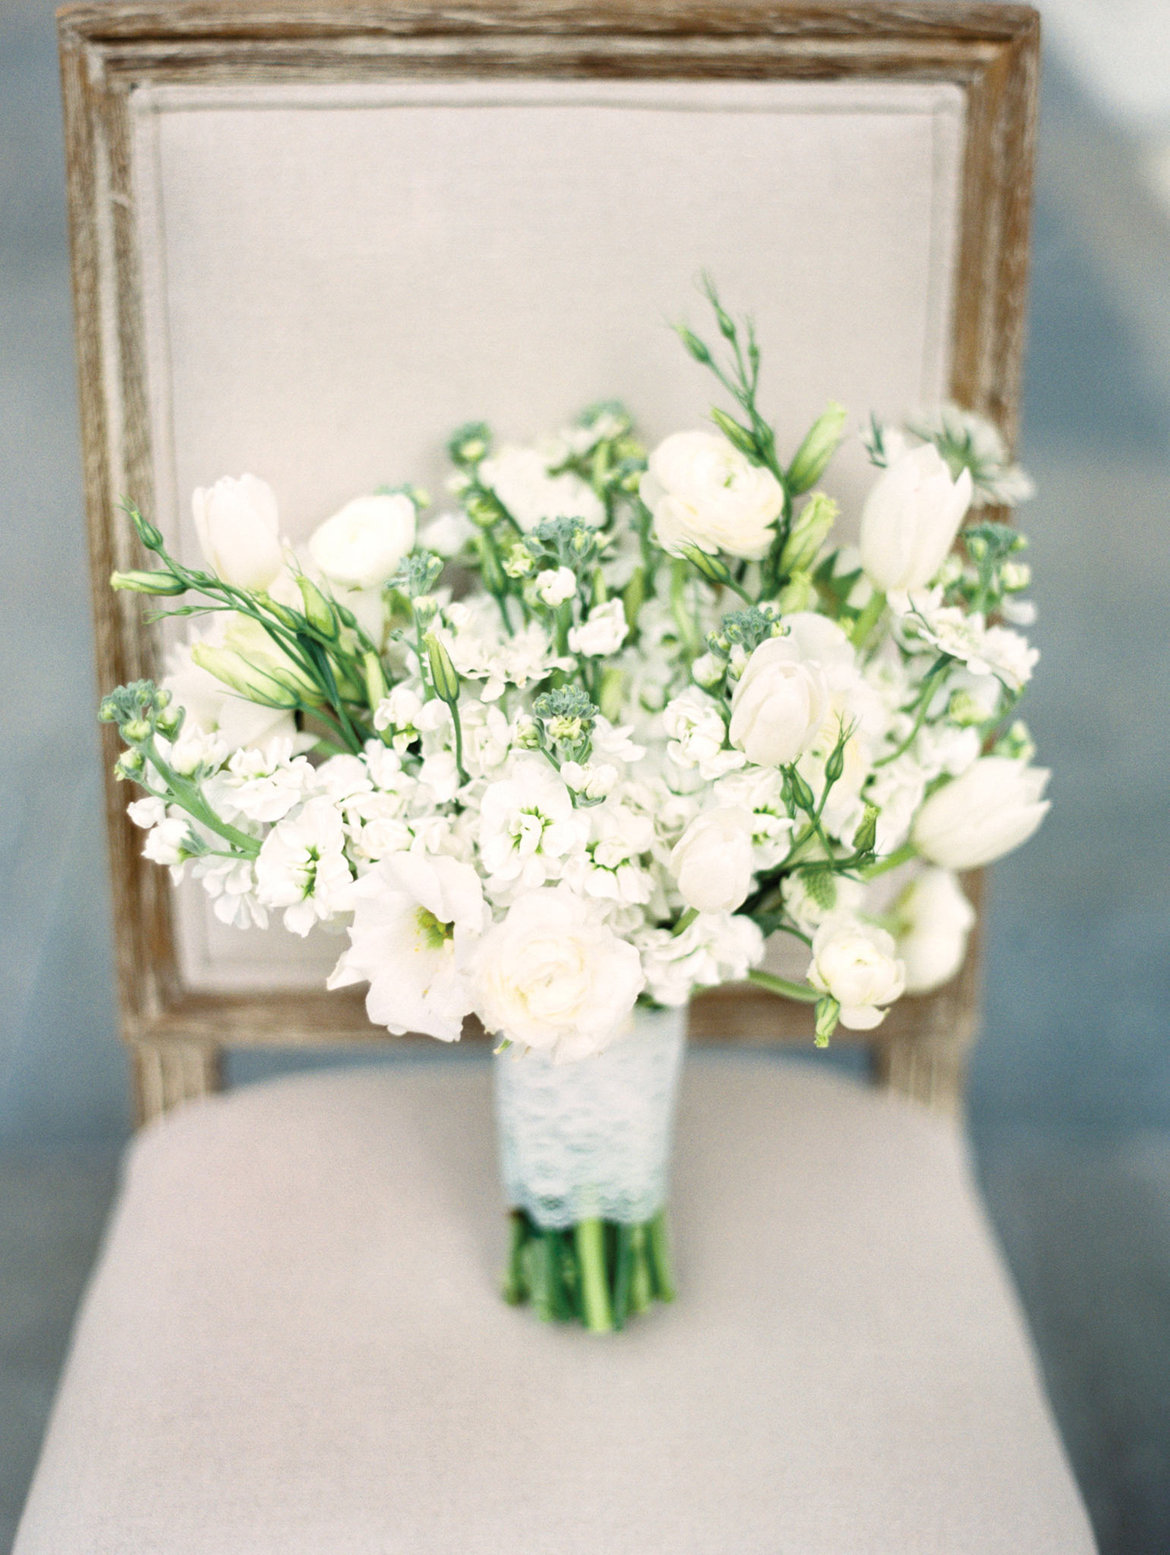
556,585
910,519
602,632
855,963
553,976
712,860
936,919
994,806
361,545
705,493
239,531
779,705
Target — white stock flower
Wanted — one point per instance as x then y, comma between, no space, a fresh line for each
416,923
712,860
167,840
698,735
556,585
994,806
264,785
528,826
360,546
602,632
985,650
715,948
857,965
760,790
231,885
553,976
778,705
934,918
520,478
302,866
239,530
910,519
703,492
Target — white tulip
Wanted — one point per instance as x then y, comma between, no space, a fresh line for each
553,976
361,545
239,531
936,919
910,519
856,964
705,493
994,806
712,860
778,706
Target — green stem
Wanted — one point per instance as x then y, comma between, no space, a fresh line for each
516,1288
595,1307
901,855
188,797
660,1263
868,619
785,986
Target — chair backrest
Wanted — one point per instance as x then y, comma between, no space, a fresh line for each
310,239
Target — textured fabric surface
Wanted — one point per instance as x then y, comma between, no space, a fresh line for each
293,1343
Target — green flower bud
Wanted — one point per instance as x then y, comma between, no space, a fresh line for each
799,593
273,687
828,1013
148,582
128,765
739,437
802,794
470,443
375,679
150,536
318,612
865,837
170,721
835,765
443,674
808,533
710,566
820,444
694,345
136,731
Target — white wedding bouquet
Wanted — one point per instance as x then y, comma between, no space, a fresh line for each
592,735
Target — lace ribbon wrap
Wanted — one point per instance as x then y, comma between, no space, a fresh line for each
591,1139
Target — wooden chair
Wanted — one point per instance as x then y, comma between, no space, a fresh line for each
307,239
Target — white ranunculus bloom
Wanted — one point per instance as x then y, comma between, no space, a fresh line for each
602,632
910,519
553,976
937,919
856,964
994,806
698,735
361,545
416,924
556,585
778,705
239,531
712,860
705,493
520,478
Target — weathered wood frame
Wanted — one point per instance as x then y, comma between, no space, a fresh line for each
177,1038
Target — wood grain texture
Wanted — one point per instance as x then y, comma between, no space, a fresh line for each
107,50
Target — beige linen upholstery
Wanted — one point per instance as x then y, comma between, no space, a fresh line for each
293,1344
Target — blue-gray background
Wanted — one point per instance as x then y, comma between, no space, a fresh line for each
1070,1092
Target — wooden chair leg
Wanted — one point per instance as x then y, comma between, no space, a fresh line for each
167,1073
927,1070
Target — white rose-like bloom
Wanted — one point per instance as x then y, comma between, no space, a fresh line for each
778,705
856,964
239,530
520,478
602,632
361,545
937,918
704,492
556,585
910,519
991,808
553,976
712,860
416,922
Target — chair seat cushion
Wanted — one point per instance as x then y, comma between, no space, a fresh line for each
294,1343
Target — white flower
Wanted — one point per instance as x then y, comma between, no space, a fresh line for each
935,919
993,807
520,478
778,706
231,885
447,534
528,826
147,812
712,860
856,964
705,493
211,709
715,948
761,791
302,866
553,976
592,780
602,632
265,785
239,531
167,841
416,923
698,735
910,519
811,899
555,585
986,650
361,545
